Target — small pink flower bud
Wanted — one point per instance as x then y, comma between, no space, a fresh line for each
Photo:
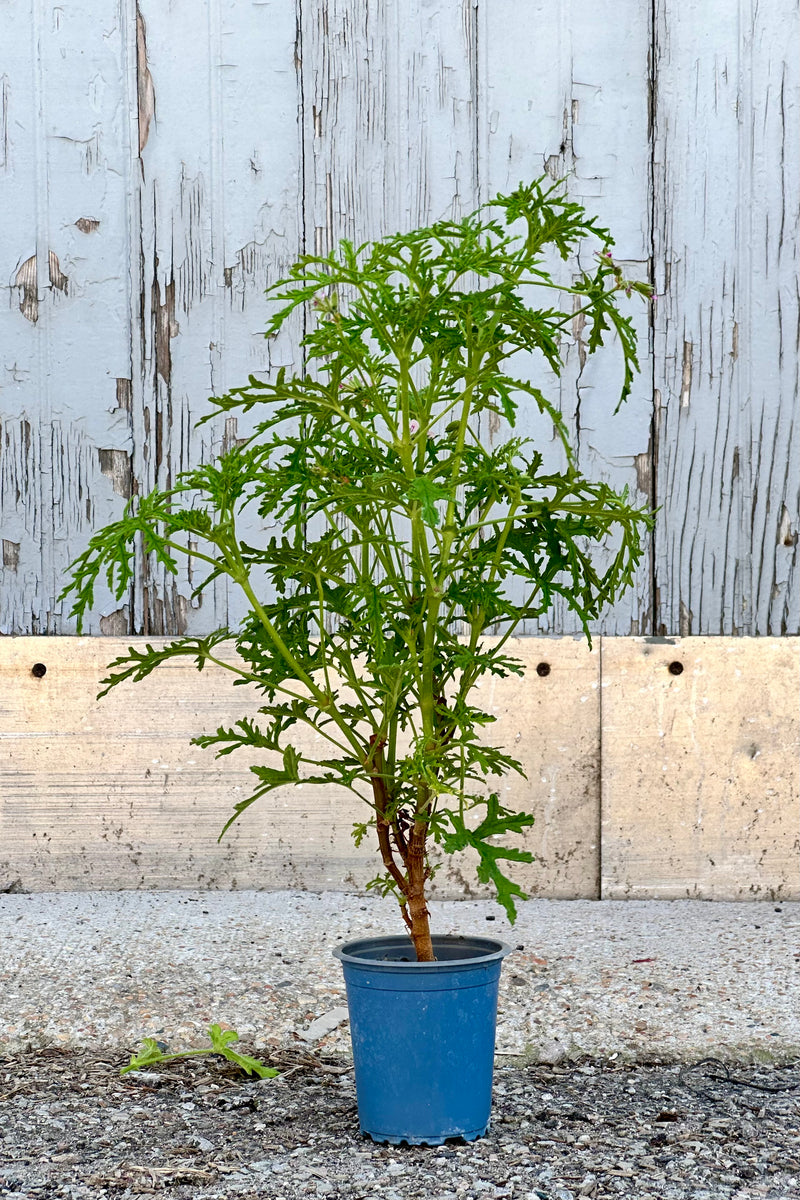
413,427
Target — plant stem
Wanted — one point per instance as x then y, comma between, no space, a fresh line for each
324,700
411,885
417,907
382,821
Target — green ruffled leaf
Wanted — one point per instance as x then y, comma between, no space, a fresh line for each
378,508
221,1044
498,822
428,493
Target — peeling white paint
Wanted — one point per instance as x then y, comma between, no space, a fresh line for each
148,216
727,245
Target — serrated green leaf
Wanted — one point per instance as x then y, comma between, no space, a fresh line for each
386,510
498,822
427,493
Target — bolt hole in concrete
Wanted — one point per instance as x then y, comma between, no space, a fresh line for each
38,669
676,668
543,669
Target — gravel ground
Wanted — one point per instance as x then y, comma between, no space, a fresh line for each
606,1011
193,1130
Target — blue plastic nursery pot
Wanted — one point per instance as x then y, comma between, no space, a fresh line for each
423,1036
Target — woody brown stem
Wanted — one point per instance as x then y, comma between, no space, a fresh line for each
384,841
412,851
418,909
383,824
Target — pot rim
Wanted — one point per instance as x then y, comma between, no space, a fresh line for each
490,950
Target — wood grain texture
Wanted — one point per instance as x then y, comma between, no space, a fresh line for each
700,789
564,91
550,721
66,327
643,783
111,794
216,220
161,164
726,226
388,116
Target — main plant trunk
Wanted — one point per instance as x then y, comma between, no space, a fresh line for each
420,927
410,882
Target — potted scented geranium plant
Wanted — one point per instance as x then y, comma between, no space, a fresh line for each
406,540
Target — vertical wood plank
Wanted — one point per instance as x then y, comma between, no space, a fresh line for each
388,117
20,450
564,92
65,331
218,221
727,205
771,226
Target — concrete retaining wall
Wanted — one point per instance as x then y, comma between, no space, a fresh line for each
655,768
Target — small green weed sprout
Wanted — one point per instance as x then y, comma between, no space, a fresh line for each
151,1054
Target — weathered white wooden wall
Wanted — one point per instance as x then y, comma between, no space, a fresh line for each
726,229
161,164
